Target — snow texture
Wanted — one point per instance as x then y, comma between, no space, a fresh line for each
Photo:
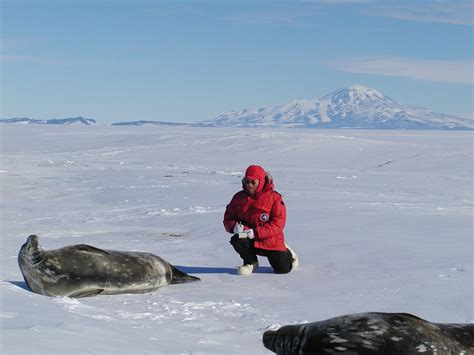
381,221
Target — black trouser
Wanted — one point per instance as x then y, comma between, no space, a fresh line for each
279,260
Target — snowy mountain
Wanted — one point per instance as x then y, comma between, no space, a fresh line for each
144,123
354,107
61,121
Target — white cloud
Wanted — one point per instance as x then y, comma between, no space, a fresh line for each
452,12
442,11
433,11
419,69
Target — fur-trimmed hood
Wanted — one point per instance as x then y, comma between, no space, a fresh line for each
267,186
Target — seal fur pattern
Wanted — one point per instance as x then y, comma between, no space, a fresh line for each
370,334
83,270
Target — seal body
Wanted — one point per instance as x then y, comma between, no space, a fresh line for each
83,270
372,333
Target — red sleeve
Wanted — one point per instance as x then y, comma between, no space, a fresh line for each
276,223
230,218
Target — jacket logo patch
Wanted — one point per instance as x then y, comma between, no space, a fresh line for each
264,217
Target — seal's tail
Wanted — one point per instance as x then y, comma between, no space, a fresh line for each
180,277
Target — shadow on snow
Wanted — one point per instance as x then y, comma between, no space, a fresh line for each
20,284
219,270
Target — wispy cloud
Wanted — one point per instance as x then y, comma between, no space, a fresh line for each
14,43
11,46
30,59
418,69
451,12
302,14
8,58
268,18
26,49
457,12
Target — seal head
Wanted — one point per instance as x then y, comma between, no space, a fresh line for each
31,256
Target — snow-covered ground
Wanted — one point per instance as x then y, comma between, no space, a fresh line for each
381,220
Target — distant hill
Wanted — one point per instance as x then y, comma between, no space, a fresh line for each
354,107
61,121
144,123
87,121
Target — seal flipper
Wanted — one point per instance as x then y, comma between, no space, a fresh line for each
87,293
91,249
180,277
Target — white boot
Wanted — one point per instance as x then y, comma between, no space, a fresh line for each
295,262
247,269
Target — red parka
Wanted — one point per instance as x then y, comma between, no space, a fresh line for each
265,213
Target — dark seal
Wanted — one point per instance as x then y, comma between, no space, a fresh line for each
83,270
370,334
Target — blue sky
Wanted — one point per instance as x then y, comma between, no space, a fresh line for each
189,61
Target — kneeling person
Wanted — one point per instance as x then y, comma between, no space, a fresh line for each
256,216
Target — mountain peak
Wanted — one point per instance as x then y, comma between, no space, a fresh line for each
355,94
366,91
362,89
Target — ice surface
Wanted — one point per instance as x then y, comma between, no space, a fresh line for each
381,221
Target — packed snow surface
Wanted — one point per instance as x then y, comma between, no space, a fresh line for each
381,220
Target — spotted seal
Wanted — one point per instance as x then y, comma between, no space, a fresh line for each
83,270
370,334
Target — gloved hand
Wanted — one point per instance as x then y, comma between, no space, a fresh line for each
248,233
238,228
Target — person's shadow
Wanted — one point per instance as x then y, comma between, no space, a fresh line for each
219,270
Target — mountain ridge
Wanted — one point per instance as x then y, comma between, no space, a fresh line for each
354,107
53,121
